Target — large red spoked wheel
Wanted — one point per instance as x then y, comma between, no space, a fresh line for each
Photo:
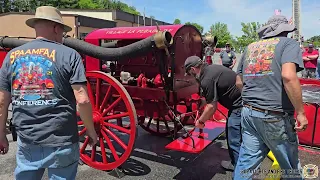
163,124
111,103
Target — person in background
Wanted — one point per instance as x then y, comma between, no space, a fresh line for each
218,84
46,82
228,57
310,60
271,94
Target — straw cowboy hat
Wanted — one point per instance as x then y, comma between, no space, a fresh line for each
48,13
275,26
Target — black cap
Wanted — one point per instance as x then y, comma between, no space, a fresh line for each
310,45
191,62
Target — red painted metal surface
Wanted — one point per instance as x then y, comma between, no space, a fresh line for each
3,54
148,99
108,120
130,33
316,140
305,137
311,136
202,139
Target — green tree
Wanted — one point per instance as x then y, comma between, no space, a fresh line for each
250,34
221,31
177,21
87,4
198,26
315,40
31,5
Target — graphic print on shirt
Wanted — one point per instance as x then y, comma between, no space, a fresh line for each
259,58
32,77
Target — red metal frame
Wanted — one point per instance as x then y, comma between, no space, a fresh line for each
149,100
311,136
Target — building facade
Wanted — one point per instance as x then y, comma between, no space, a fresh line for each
82,22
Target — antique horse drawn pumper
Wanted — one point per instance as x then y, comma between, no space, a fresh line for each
136,77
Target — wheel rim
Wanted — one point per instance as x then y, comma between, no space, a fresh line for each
160,126
111,103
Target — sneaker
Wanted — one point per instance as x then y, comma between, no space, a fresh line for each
227,165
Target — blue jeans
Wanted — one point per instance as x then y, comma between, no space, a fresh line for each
233,132
262,132
32,160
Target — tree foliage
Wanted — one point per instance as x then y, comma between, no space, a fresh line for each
315,40
250,34
221,31
31,5
177,21
198,26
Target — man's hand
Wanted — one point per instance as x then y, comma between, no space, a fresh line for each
93,137
306,59
84,108
199,124
303,122
4,144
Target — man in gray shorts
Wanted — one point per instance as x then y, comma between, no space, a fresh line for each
45,81
228,57
310,60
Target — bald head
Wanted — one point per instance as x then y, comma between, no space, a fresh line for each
49,30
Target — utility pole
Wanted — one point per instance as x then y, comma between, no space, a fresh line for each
296,19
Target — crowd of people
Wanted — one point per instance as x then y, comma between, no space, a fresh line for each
262,97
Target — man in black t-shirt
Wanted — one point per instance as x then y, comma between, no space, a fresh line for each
218,84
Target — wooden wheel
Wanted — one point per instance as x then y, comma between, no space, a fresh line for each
110,102
162,125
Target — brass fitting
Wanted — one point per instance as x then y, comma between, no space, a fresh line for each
163,39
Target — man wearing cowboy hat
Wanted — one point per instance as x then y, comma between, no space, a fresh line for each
218,84
271,93
45,81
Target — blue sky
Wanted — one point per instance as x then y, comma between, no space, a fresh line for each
231,12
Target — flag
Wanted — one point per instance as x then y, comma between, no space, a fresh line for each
277,12
290,21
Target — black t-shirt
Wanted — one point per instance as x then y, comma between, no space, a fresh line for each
218,83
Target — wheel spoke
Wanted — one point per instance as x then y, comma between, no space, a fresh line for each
97,93
115,116
119,128
103,150
93,153
84,145
112,149
116,138
158,125
105,99
149,122
111,106
167,126
90,92
82,131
